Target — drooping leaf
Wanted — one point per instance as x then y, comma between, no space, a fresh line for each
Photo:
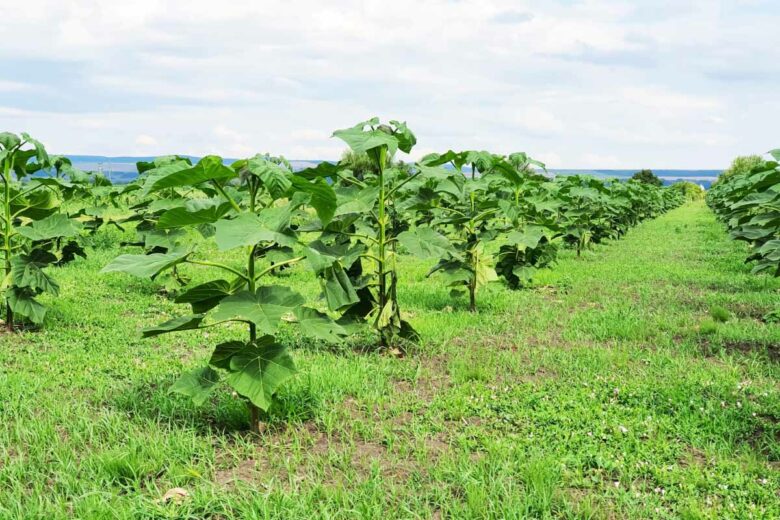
198,211
9,140
180,323
27,272
177,174
259,370
276,179
324,170
220,358
145,266
406,139
25,304
197,384
338,289
318,325
53,226
425,242
205,296
322,196
165,238
36,205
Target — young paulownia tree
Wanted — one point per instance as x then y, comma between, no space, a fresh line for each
365,230
32,227
250,206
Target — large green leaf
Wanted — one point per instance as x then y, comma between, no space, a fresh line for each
324,170
210,168
338,289
481,160
190,322
356,200
265,307
36,205
528,238
197,384
27,272
406,139
248,229
39,151
157,172
145,266
257,371
276,179
53,226
318,325
361,141
220,358
205,296
165,238
197,211
322,196
24,304
454,272
9,140
425,242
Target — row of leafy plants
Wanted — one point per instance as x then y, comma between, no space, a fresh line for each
48,208
748,203
348,225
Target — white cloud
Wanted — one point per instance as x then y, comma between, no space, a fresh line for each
539,120
145,140
597,161
550,159
660,98
14,86
632,84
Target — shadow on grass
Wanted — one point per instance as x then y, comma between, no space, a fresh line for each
751,349
758,284
223,413
423,297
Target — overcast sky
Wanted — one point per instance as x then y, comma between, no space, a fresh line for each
577,84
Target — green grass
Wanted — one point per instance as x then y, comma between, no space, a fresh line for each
613,389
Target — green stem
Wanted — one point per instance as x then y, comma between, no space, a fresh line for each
351,180
254,412
222,192
277,266
9,313
401,185
220,266
250,268
25,192
356,235
381,257
370,257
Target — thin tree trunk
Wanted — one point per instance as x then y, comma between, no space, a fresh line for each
381,263
9,313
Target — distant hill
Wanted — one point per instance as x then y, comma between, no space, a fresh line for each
122,169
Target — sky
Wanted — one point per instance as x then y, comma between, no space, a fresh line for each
576,84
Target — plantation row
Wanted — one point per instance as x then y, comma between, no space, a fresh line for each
749,204
348,222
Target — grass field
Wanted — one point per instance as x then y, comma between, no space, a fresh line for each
613,389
